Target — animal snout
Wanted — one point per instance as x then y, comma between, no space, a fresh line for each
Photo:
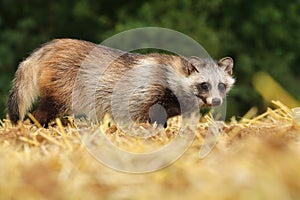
216,102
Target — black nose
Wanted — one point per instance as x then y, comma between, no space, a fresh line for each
216,102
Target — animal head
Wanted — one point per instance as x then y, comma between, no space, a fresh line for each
209,80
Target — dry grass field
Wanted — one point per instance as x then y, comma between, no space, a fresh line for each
257,157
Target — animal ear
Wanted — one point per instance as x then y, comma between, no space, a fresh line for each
193,63
227,64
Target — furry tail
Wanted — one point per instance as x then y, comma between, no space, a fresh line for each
25,90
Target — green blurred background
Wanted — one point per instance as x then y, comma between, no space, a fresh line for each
259,35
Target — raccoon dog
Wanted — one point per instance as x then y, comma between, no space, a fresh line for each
70,76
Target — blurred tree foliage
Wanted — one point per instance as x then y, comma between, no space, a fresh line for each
259,35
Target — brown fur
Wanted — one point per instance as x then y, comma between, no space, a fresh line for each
66,71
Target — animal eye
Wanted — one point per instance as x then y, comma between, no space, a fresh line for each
204,86
222,87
